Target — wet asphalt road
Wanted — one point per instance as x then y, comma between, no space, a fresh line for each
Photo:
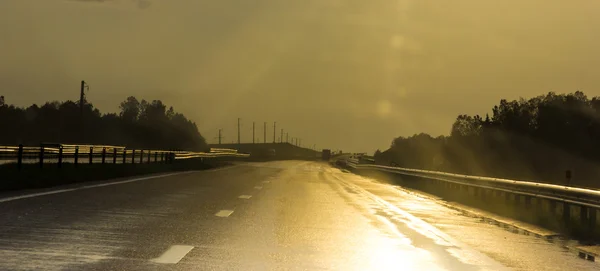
287,215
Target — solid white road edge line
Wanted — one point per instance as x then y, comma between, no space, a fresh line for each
173,255
33,195
87,187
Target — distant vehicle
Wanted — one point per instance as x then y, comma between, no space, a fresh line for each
326,154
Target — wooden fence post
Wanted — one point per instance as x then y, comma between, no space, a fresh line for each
20,157
41,156
60,156
91,155
76,155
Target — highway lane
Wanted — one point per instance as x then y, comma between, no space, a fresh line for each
287,215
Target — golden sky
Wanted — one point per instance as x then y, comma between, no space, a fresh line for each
343,74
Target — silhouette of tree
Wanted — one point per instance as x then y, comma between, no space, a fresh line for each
536,139
138,125
130,109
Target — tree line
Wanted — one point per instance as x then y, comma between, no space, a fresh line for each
536,139
139,124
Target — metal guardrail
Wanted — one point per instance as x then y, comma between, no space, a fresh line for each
565,194
93,154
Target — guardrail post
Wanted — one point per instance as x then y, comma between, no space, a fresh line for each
124,156
527,202
162,157
76,158
583,215
41,156
155,157
539,205
91,157
483,194
103,155
592,220
517,199
552,207
114,156
149,156
133,156
60,156
20,157
566,212
141,156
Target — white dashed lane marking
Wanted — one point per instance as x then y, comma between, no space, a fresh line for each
173,255
245,197
224,213
258,187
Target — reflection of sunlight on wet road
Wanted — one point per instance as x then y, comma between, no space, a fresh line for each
393,254
419,245
397,251
447,237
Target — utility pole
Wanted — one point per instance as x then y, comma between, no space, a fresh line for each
220,136
82,96
281,139
238,130
84,86
265,130
274,131
253,136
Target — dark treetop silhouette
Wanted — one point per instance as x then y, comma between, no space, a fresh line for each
148,125
536,139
